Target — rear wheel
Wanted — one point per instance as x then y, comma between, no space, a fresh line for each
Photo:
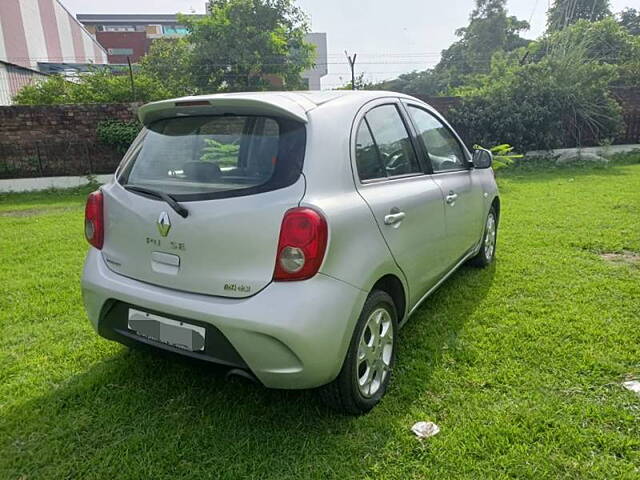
366,371
488,246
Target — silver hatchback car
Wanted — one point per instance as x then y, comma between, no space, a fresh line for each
287,236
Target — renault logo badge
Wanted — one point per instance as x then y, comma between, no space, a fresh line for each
164,224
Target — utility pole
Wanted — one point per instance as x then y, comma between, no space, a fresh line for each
352,65
133,85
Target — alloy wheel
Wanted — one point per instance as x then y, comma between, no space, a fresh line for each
490,237
375,352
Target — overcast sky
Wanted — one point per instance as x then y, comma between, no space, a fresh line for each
390,36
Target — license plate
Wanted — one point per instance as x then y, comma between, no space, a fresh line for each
165,330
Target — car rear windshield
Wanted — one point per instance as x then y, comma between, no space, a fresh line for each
198,158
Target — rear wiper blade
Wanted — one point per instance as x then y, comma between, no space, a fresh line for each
180,210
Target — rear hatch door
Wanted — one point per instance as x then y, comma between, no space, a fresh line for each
236,175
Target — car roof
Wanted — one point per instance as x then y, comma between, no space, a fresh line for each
294,105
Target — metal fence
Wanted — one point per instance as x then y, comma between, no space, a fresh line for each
52,159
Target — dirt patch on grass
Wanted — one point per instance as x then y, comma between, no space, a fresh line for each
626,257
33,212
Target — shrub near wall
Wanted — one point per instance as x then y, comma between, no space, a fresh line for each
118,134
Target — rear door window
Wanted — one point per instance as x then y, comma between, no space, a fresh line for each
383,146
196,158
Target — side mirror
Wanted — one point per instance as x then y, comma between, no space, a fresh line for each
482,158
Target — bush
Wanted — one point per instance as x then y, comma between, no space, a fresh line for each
561,99
118,134
101,86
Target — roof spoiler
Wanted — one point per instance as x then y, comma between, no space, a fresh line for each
234,104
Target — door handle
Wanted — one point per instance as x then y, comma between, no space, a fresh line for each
394,218
451,198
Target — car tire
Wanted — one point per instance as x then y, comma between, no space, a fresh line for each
487,252
370,356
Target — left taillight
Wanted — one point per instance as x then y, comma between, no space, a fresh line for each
94,219
302,244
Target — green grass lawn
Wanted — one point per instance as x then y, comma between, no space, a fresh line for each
520,365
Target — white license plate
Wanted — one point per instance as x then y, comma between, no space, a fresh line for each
165,330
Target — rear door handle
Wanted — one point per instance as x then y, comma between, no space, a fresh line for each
451,198
394,218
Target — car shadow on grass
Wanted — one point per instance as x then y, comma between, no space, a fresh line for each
136,415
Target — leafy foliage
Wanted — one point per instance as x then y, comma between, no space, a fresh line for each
117,133
503,155
248,45
561,98
566,12
630,20
101,86
361,83
490,30
427,82
169,61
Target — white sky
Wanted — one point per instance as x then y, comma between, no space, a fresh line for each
390,37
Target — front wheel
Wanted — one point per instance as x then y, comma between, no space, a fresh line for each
366,371
488,245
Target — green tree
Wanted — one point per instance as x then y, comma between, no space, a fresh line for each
247,44
169,61
566,12
490,30
629,18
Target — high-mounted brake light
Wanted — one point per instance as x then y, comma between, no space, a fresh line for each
303,240
193,103
94,220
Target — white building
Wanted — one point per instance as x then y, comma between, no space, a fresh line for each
321,69
34,32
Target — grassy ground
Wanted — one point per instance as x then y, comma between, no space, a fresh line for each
520,365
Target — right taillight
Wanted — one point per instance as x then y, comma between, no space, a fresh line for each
303,240
94,220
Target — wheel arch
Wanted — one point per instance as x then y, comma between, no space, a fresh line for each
393,286
496,205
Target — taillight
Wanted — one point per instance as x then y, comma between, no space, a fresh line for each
303,240
94,220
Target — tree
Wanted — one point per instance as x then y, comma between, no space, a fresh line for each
566,12
248,45
490,30
426,82
629,18
169,61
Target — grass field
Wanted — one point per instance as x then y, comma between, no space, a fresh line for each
520,365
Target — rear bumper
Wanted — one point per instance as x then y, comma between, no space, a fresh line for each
290,335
